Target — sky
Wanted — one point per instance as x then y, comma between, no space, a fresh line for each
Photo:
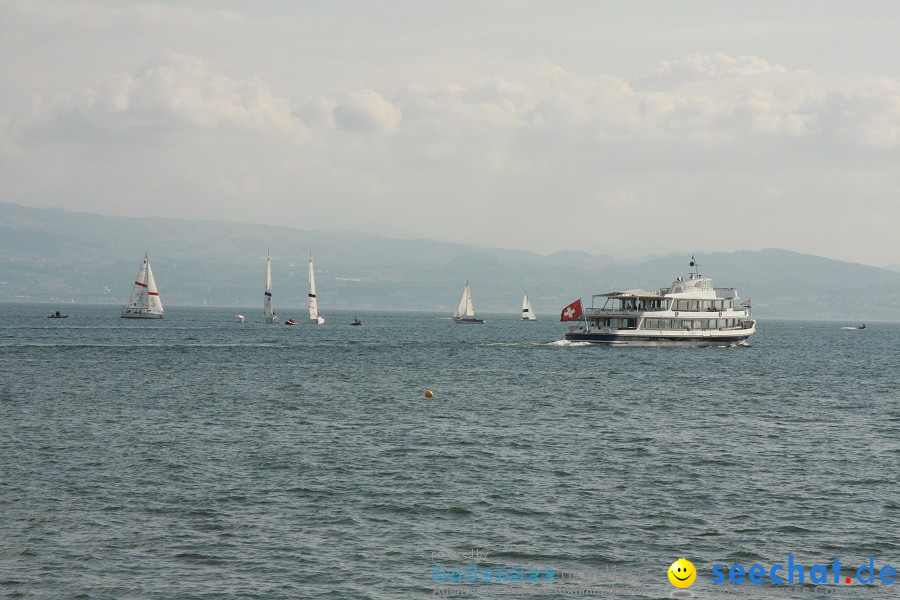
622,128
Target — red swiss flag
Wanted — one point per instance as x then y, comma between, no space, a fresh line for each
572,311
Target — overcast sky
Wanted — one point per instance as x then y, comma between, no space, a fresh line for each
627,128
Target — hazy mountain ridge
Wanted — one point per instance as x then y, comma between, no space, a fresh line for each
50,255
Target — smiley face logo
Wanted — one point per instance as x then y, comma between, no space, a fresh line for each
682,573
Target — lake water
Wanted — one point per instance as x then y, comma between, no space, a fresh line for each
194,457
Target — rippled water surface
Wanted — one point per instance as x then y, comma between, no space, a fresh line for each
197,458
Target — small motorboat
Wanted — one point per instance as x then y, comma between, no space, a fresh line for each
291,322
356,321
863,326
238,318
57,315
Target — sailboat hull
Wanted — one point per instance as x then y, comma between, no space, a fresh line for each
462,321
139,314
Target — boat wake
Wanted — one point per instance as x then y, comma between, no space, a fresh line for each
567,343
557,343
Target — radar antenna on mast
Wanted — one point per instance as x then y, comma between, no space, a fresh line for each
696,265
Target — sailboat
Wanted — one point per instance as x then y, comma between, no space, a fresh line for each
314,318
527,311
145,302
465,312
267,295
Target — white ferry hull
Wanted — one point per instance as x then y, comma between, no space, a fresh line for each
671,338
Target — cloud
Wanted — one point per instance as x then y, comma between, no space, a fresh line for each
705,67
367,110
865,114
732,105
171,93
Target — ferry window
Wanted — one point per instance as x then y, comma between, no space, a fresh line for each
695,306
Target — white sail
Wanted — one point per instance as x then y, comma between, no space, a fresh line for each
145,302
314,318
139,292
154,304
465,309
465,312
527,311
267,296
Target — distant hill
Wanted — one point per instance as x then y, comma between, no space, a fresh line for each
51,255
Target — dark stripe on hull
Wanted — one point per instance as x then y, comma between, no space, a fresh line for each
600,338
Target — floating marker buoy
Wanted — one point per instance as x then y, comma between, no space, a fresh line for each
429,394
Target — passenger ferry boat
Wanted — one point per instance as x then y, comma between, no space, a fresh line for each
691,312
